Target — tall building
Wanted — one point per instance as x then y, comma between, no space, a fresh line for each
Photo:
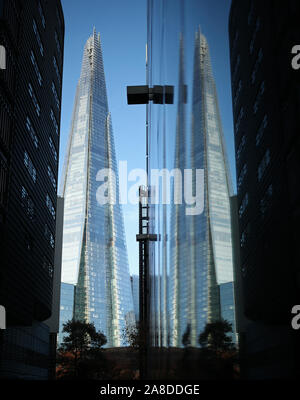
265,90
94,250
192,262
201,245
32,33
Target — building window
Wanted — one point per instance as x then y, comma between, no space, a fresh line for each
31,131
256,65
27,203
251,13
261,130
266,200
243,205
53,150
30,167
36,67
42,15
236,68
243,239
38,37
55,94
242,176
237,93
49,236
50,206
239,119
57,43
259,97
34,99
241,147
52,177
245,235
263,165
55,124
56,70
256,29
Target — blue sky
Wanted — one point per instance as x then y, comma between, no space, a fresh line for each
122,26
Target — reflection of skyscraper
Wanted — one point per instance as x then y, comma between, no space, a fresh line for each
94,249
201,248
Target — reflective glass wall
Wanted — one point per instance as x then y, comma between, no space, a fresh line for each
191,263
94,255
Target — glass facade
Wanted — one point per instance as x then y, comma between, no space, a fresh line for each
67,292
94,254
193,258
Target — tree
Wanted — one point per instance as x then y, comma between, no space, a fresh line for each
133,335
214,336
186,337
80,347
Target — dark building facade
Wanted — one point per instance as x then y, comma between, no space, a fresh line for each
32,33
266,102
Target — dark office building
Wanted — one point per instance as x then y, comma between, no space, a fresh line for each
32,33
266,104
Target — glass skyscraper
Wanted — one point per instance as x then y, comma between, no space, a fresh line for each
191,272
94,257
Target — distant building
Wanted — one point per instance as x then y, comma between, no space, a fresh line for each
266,103
32,33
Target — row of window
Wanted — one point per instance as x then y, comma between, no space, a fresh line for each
263,164
32,132
34,99
244,205
36,67
27,203
258,138
239,120
54,91
38,37
50,206
52,177
265,161
264,205
261,130
29,166
49,236
256,65
259,97
254,35
43,21
237,93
